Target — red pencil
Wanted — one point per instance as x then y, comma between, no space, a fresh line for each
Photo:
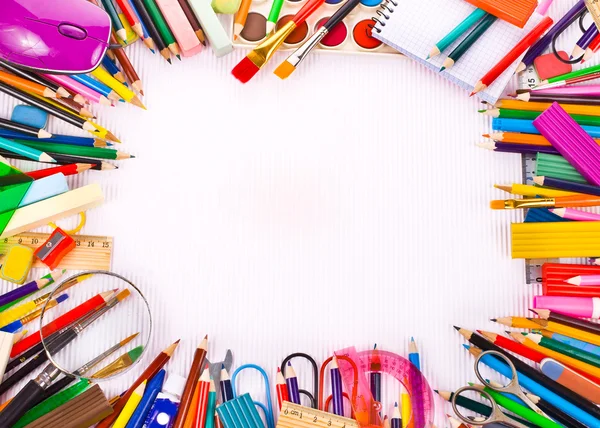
513,55
511,345
202,407
131,17
72,169
592,49
62,322
282,391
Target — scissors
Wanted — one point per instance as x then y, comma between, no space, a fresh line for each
513,387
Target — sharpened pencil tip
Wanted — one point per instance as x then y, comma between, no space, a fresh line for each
493,319
456,328
482,111
442,69
169,61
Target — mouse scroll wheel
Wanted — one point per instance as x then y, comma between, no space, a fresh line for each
72,31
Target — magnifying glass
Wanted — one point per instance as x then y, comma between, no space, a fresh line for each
99,332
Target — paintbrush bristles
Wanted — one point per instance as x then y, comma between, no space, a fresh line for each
284,70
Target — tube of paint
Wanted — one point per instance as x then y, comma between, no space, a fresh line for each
163,411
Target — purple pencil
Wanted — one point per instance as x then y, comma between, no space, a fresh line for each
571,141
497,146
563,99
584,41
291,381
30,287
542,44
336,388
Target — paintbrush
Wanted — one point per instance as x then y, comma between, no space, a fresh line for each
256,59
293,61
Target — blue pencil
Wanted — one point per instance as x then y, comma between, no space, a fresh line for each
413,353
141,411
25,151
576,343
112,68
458,31
59,139
147,39
526,127
96,86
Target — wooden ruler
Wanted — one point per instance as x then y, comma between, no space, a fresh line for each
90,253
296,416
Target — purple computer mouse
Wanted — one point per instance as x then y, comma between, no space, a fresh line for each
54,36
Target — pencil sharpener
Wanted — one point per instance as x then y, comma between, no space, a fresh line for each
17,263
56,247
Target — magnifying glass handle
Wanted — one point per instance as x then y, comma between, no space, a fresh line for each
23,401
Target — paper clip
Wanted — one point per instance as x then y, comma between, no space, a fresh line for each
311,397
325,406
579,16
268,409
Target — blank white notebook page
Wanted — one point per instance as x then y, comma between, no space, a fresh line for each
415,26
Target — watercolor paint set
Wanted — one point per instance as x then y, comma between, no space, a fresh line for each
352,35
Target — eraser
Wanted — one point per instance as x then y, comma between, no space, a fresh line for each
548,66
30,116
17,263
56,247
218,38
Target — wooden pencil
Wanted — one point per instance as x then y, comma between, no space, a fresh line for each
28,75
193,20
71,169
27,85
163,27
64,160
190,385
71,150
154,33
468,41
132,76
25,129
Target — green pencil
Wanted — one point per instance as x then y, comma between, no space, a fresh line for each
532,115
163,28
469,41
274,15
563,77
453,35
568,350
88,152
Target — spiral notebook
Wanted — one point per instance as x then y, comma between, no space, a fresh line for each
413,27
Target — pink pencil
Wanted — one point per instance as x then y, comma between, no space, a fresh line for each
579,91
585,280
83,90
181,27
571,214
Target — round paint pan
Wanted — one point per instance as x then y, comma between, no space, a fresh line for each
362,35
334,3
370,4
255,29
298,35
336,37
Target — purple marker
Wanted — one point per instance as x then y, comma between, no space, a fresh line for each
291,381
336,388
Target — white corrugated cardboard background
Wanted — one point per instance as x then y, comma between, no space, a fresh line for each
345,206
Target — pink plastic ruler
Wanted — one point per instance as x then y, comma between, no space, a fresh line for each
399,368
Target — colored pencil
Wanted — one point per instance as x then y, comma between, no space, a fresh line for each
212,403
97,86
47,107
520,138
458,31
584,41
136,82
193,20
76,108
563,99
567,185
336,388
82,151
512,56
543,106
585,280
556,414
130,406
112,68
190,385
273,16
281,387
66,160
6,124
564,395
152,390
154,33
406,406
571,320
247,68
125,93
31,76
83,90
592,49
27,85
18,324
583,91
291,381
145,34
61,139
61,322
110,8
203,387
396,420
564,349
225,384
19,311
151,371
505,113
571,81
576,215
25,151
516,148
527,190
163,27
131,16
564,78
528,127
512,346
468,41
575,333
240,19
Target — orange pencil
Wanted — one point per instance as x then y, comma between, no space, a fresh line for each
513,55
26,85
240,18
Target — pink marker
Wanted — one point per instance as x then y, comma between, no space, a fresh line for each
585,280
581,307
571,214
181,27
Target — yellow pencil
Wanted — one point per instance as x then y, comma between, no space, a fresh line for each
130,406
528,190
565,330
406,406
124,92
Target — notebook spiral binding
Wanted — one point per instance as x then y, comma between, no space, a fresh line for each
385,11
